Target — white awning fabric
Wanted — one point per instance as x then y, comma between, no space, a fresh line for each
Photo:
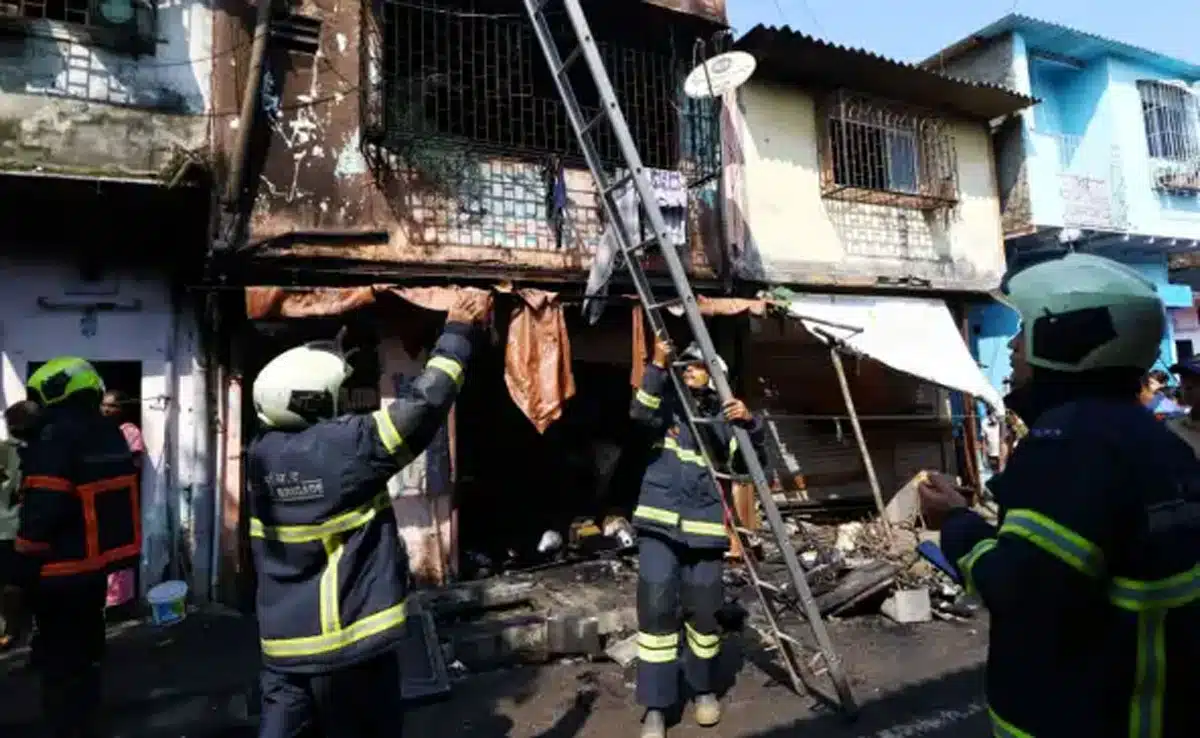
914,335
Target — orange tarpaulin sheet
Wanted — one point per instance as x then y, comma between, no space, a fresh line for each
537,366
537,357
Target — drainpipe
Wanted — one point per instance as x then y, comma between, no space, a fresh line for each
258,52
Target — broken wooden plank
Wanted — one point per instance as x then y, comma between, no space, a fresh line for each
483,594
858,585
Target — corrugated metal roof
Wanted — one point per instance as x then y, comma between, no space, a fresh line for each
787,55
1067,41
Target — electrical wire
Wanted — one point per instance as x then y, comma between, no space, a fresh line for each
215,56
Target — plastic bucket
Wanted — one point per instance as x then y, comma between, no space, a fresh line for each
168,602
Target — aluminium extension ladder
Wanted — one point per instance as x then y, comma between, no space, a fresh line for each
785,604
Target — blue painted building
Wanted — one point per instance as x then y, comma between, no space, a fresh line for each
1108,162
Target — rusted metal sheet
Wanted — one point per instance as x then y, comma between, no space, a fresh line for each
713,10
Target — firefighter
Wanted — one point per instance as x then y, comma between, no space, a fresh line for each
80,519
1093,576
682,539
332,571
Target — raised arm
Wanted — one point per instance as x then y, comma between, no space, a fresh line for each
406,427
648,408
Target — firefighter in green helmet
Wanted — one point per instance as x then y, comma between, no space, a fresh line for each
80,519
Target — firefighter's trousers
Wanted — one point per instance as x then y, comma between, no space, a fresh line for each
67,653
360,701
679,594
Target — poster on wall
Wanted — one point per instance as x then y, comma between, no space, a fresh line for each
429,473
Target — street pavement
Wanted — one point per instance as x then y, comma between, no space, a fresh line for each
194,680
918,681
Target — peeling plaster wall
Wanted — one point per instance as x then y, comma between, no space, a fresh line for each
68,106
176,498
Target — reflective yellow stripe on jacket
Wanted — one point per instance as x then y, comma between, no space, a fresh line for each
671,519
334,635
1150,600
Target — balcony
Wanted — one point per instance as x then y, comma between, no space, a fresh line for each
1079,182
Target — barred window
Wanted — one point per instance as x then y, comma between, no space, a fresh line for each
883,153
1172,118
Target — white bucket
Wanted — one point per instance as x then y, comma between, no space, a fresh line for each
168,602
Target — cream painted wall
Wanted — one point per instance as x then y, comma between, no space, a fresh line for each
784,231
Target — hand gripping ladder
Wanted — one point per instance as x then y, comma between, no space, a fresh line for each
781,603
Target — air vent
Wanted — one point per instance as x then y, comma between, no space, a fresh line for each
296,32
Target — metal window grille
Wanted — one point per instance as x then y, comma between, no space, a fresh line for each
880,153
89,13
126,25
1172,117
464,114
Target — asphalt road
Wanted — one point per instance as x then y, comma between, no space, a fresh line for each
922,681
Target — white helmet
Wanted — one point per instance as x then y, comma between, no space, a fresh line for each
301,386
1084,312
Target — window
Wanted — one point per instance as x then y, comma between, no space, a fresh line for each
125,25
470,72
1170,114
880,153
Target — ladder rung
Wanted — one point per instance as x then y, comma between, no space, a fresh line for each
643,246
593,122
763,584
790,638
571,59
670,302
618,184
710,420
722,475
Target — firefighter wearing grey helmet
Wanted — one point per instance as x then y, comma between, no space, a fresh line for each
1097,522
301,386
1083,312
682,537
693,353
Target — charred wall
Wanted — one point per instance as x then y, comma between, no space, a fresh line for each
428,132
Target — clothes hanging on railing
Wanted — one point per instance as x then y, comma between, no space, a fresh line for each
671,193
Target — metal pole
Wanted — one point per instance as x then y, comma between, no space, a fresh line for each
876,490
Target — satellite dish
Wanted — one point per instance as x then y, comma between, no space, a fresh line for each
720,74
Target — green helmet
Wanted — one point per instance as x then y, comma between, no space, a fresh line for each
61,378
1083,312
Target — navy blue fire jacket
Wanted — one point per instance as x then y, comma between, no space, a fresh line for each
332,571
678,498
1092,578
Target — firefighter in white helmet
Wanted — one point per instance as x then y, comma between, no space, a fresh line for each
332,572
1093,576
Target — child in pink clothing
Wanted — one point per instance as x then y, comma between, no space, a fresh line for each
121,584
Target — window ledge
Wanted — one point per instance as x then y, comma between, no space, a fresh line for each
888,198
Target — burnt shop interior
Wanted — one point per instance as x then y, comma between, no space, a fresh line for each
520,498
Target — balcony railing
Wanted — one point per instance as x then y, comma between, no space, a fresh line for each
1090,181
